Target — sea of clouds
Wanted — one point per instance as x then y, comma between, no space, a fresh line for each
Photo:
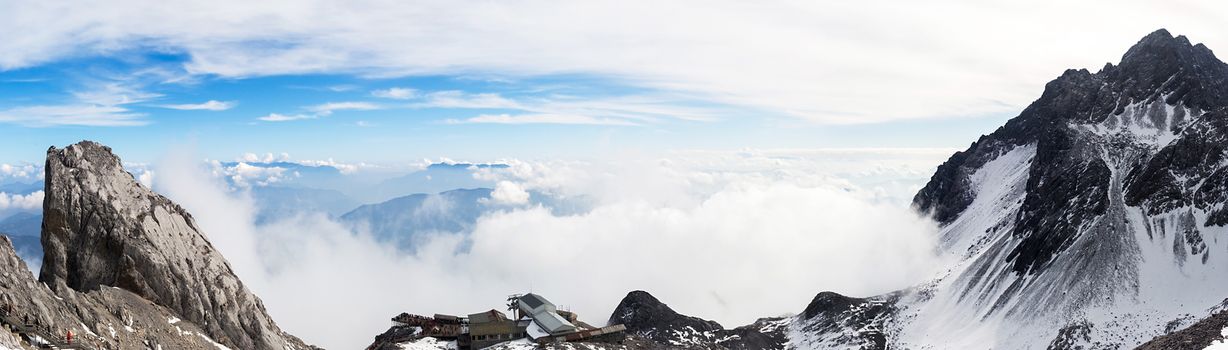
728,236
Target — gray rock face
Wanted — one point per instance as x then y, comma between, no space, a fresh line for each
106,318
102,228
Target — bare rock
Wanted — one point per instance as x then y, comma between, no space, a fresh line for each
102,228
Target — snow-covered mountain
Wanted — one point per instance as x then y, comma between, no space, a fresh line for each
1093,219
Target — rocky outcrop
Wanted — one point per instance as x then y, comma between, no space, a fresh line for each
105,318
832,320
648,318
101,229
1197,336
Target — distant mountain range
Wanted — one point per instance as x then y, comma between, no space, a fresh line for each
436,178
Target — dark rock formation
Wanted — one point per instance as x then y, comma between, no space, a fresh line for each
102,228
648,318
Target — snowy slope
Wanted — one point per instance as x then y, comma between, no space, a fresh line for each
1094,219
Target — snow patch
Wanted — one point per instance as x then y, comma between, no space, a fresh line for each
1221,344
1152,123
428,343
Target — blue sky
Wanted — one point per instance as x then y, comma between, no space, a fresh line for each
396,82
361,118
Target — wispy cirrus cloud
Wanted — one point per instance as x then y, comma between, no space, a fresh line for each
101,104
827,62
330,107
461,99
77,114
574,110
274,117
320,110
211,105
541,119
396,93
114,94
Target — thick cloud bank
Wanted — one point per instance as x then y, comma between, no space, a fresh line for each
729,237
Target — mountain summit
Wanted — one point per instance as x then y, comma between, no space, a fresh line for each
1074,222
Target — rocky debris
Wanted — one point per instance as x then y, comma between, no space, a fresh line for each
1195,337
648,318
105,318
1072,337
101,228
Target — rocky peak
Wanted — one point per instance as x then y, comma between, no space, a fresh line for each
102,228
1161,65
830,303
649,318
1160,70
1161,45
643,314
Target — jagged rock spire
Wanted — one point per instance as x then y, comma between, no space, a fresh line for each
102,228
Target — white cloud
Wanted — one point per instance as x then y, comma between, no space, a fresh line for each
146,178
396,93
540,119
211,105
32,201
21,171
507,192
827,61
329,108
274,117
266,158
245,175
344,168
676,227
